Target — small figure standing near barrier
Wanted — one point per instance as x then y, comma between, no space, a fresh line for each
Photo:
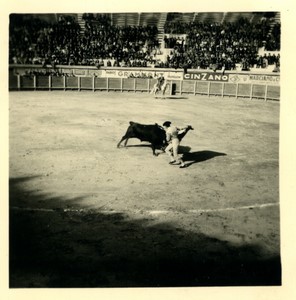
159,86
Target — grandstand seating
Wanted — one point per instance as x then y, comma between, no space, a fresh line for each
275,20
95,43
151,19
160,26
234,16
127,19
209,17
187,17
81,23
118,19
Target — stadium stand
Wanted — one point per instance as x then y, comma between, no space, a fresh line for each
214,41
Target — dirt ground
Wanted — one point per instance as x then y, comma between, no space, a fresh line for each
84,213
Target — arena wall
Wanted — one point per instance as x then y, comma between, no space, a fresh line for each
236,84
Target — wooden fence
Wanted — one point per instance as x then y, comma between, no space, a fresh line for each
237,90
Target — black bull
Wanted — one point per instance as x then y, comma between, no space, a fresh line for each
153,134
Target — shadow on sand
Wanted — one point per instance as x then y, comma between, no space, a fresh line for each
68,246
198,156
171,97
189,157
157,152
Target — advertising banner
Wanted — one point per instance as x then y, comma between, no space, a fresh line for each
149,73
234,78
127,74
140,74
255,78
205,76
174,75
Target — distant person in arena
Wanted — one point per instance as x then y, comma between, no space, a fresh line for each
173,146
161,81
160,85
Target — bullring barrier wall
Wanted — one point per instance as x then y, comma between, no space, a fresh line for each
196,82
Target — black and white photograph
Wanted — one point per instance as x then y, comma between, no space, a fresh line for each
144,148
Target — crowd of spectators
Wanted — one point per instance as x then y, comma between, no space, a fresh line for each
121,46
221,45
192,45
35,41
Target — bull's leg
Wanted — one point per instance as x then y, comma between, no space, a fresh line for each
125,142
125,139
153,149
162,149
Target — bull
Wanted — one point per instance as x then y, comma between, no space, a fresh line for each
154,134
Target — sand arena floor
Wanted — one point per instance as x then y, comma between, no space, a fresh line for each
84,213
